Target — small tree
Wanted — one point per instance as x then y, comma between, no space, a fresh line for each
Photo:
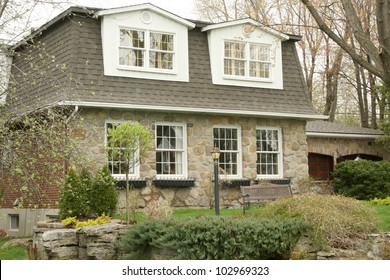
128,143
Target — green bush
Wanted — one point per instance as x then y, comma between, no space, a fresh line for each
334,220
215,238
380,201
84,196
74,197
103,197
362,179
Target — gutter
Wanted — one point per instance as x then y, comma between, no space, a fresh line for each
342,135
193,110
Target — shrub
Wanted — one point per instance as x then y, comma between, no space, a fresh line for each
362,179
74,198
158,209
74,222
103,219
334,220
103,197
84,196
380,201
215,238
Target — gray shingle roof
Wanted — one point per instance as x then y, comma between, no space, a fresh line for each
326,129
81,51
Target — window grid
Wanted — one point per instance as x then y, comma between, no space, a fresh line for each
170,150
226,139
116,163
268,152
237,62
136,47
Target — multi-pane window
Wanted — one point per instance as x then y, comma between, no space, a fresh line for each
227,139
259,61
146,49
247,59
171,150
234,62
269,162
116,161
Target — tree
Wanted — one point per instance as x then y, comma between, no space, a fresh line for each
376,57
128,143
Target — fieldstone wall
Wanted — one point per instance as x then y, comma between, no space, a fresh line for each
199,146
336,147
51,241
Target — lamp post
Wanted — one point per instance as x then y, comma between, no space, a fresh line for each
215,153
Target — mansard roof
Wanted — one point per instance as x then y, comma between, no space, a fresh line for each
77,43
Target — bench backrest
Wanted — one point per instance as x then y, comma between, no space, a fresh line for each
266,191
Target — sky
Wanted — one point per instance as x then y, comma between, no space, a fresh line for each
183,8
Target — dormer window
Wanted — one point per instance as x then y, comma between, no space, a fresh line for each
146,50
245,59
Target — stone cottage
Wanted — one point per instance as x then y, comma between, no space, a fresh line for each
234,85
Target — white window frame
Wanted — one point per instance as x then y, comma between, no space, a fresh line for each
247,61
279,153
183,150
147,49
238,152
118,176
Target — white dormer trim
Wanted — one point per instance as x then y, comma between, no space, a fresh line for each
150,7
244,21
236,70
146,19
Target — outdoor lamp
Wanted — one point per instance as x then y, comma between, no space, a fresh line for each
215,153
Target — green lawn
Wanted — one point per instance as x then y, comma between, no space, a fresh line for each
12,253
383,212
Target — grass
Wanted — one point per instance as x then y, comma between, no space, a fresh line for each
383,213
12,253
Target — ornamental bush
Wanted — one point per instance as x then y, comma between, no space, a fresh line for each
335,220
74,195
362,179
85,196
103,197
214,238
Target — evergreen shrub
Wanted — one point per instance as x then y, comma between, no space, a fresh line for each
103,197
362,179
74,198
214,238
85,196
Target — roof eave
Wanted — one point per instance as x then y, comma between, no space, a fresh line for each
342,135
281,35
193,110
150,7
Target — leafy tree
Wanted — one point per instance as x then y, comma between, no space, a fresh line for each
128,143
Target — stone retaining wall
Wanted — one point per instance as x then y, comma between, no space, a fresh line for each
54,242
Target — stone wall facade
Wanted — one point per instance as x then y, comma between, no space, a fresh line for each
337,147
199,146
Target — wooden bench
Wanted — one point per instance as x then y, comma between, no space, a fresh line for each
264,192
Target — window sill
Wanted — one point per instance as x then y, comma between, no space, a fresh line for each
235,183
248,79
121,184
174,183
